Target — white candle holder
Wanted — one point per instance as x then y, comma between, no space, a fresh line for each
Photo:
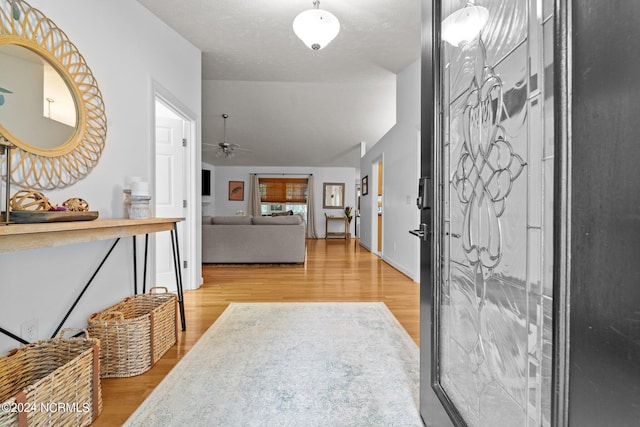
139,207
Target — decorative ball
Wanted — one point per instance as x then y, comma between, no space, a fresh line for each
76,205
29,200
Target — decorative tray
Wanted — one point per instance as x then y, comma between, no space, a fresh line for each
29,217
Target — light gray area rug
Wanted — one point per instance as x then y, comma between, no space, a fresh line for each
292,364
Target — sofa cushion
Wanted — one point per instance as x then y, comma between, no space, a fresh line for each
231,220
277,220
206,219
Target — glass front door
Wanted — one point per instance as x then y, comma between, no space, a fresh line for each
493,227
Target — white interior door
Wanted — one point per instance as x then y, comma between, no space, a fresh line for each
170,188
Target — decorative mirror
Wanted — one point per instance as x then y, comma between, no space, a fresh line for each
51,108
333,195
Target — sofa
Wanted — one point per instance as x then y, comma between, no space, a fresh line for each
257,240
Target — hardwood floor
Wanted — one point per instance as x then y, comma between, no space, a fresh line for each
335,270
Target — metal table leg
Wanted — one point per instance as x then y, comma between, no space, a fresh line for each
135,267
14,336
144,273
85,289
144,265
178,270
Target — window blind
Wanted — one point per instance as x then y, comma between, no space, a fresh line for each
283,190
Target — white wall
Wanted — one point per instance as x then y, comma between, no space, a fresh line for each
400,151
127,48
224,174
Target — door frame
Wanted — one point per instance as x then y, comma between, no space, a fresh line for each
373,191
192,276
562,81
435,408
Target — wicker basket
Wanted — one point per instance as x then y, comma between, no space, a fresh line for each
51,382
135,333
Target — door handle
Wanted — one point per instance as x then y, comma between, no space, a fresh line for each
456,235
416,233
423,232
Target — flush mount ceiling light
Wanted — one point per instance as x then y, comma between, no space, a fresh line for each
464,24
316,28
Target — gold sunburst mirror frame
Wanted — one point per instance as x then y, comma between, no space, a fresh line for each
63,165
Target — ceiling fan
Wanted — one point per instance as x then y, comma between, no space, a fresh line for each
224,148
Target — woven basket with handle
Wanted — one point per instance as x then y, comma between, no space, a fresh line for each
52,382
135,333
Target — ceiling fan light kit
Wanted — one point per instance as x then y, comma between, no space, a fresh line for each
225,150
316,28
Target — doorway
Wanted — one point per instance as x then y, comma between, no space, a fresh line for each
377,225
173,188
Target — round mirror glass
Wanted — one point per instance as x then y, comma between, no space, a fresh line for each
37,105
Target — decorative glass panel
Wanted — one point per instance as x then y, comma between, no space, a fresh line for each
495,310
547,8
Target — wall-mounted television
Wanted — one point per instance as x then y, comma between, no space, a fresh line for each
206,182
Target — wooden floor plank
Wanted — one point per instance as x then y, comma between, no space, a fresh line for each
335,270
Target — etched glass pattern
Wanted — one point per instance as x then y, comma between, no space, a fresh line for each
495,312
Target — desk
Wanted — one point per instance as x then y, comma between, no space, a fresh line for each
344,234
17,237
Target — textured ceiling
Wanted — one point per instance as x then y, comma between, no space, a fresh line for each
253,42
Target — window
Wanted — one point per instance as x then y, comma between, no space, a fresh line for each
284,194
283,190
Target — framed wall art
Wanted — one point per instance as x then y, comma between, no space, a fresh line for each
365,185
236,190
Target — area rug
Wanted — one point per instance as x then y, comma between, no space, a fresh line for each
292,364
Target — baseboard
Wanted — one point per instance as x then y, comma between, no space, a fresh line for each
399,268
391,263
365,246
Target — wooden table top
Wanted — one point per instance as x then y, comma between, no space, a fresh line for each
16,237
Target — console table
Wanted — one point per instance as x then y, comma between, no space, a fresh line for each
17,237
343,219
